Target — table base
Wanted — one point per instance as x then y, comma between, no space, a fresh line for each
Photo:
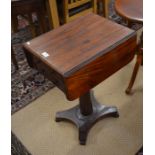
85,122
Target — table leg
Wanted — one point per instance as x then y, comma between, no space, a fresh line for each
54,13
139,62
135,71
86,114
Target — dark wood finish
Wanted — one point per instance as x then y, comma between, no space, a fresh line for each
101,68
86,114
76,53
26,8
86,107
78,59
132,10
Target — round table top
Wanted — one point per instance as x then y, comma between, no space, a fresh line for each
131,10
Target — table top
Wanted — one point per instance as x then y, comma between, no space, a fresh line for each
130,9
73,45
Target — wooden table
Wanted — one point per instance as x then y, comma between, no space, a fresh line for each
132,10
78,56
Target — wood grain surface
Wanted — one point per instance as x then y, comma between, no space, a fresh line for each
83,53
131,10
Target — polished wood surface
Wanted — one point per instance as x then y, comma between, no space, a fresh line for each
131,10
75,44
77,52
76,58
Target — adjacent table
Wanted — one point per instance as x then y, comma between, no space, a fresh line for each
131,10
78,56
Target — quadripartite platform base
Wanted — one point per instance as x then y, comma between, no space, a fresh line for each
87,113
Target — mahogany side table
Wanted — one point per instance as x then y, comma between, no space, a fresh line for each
78,56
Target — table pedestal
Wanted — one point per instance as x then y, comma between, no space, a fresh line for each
87,113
